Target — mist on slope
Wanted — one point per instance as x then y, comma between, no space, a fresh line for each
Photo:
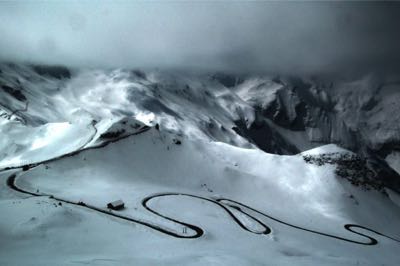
257,37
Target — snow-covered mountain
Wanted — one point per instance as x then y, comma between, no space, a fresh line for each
255,170
277,115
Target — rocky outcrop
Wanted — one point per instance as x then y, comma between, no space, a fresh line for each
355,116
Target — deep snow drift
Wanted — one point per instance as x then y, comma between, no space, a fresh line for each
193,157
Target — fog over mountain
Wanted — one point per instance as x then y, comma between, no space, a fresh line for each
289,37
199,133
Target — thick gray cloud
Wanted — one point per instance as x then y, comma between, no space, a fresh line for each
294,37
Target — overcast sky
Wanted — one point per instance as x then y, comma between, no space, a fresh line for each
292,37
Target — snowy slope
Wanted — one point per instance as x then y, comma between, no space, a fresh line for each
283,187
187,156
352,114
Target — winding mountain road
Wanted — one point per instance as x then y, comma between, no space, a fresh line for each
223,203
227,205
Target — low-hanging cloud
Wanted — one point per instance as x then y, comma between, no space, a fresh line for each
292,37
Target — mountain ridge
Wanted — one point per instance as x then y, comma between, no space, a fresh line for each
280,115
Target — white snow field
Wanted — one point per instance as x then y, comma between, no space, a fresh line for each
195,192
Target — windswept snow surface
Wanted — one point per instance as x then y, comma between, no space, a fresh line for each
393,160
195,192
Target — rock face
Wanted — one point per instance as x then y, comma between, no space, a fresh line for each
362,116
351,115
282,115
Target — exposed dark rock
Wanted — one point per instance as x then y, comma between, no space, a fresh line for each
227,80
135,126
322,114
139,74
17,94
58,72
177,141
351,167
265,137
112,134
386,148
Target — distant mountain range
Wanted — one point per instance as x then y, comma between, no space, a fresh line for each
277,114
